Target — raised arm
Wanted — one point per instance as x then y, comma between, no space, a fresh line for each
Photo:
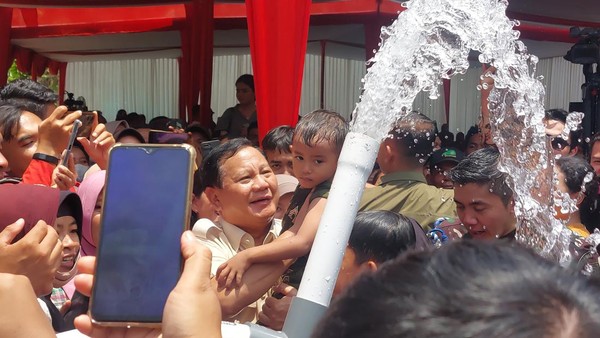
294,243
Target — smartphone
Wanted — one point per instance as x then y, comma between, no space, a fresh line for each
76,127
146,208
207,146
87,122
166,137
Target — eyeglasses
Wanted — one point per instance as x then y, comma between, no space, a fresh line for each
559,143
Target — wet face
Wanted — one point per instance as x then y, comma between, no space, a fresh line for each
244,94
280,162
438,176
19,151
314,164
482,212
595,157
248,197
66,227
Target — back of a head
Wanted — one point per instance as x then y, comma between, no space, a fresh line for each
468,288
380,235
481,167
28,95
415,134
322,125
580,177
278,138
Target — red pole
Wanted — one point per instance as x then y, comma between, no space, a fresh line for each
5,26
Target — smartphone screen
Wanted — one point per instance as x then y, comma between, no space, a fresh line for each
146,209
166,137
87,122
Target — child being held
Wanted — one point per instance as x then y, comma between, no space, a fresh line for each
316,146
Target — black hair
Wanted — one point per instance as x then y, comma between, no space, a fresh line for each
481,167
322,125
246,79
576,170
473,130
9,120
159,123
196,128
28,95
415,134
211,174
380,235
121,115
278,138
467,288
556,114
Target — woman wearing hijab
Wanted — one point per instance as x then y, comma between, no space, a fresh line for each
90,192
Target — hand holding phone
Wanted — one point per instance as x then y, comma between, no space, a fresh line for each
74,131
146,209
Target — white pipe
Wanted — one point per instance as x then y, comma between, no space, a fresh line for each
354,167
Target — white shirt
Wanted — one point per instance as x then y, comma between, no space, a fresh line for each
224,241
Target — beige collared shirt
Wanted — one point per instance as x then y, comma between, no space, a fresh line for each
225,240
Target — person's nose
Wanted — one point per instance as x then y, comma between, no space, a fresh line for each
468,218
260,183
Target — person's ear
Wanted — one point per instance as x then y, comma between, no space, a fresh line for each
579,198
370,266
213,197
573,151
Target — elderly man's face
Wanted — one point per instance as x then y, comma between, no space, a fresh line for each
249,194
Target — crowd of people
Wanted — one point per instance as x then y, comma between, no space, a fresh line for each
432,251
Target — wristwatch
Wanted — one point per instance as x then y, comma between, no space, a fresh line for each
46,158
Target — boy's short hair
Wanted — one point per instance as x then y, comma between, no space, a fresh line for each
380,235
278,138
481,167
322,125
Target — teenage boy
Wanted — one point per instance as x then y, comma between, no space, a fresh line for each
276,146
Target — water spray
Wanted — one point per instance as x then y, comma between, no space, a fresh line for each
431,41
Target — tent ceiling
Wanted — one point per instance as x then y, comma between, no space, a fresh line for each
167,43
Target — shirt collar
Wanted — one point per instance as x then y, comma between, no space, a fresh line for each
240,240
403,176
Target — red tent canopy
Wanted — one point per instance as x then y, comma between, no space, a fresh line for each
26,20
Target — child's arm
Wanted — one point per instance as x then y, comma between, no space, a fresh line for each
293,243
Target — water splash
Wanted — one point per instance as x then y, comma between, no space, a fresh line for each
431,41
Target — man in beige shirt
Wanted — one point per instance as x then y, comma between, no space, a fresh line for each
224,241
242,188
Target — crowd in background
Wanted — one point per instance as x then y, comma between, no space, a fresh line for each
436,225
